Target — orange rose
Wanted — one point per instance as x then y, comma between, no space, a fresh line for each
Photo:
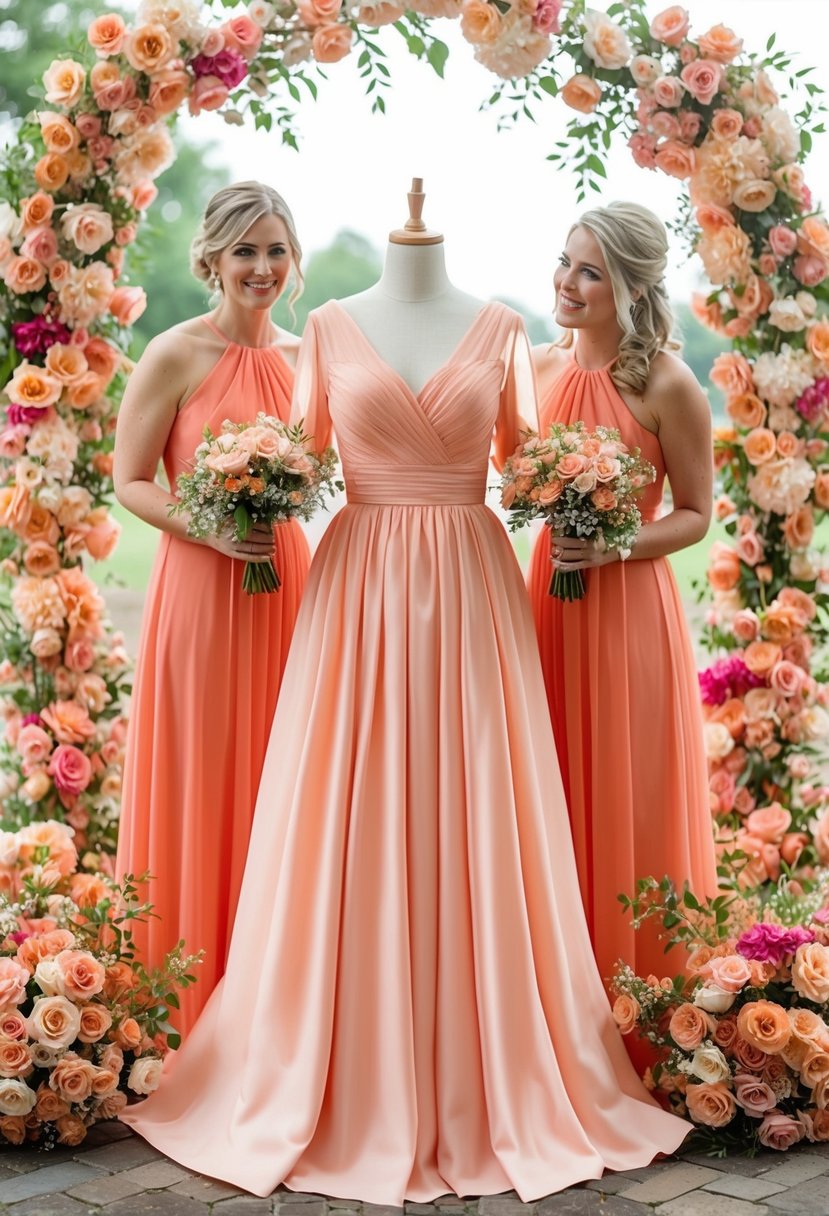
41,558
723,567
106,34
689,1026
799,528
120,978
747,410
760,445
822,491
810,972
732,374
66,362
127,304
63,81
581,93
168,90
765,1026
149,47
128,1034
781,622
732,714
95,1022
813,237
32,385
720,44
49,1106
676,159
51,171
85,391
88,890
71,1130
480,22
13,1128
332,43
626,1010
36,211
817,340
711,1104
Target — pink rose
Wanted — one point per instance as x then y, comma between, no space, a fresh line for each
689,125
783,240
34,744
128,303
668,92
208,94
83,975
675,159
570,466
787,678
643,149
731,973
42,245
753,1095
671,25
745,625
88,226
780,1131
808,270
665,125
13,981
243,35
702,79
769,823
71,769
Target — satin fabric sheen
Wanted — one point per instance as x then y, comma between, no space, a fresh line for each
624,698
410,1005
209,667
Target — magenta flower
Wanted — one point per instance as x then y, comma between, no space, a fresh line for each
813,401
229,66
36,336
24,414
772,943
726,678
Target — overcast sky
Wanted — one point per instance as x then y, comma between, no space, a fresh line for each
503,208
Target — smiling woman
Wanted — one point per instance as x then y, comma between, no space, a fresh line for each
204,699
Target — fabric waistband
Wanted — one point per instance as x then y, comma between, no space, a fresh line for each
425,485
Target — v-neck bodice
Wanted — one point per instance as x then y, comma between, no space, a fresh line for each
400,447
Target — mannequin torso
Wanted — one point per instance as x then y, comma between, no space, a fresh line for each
413,316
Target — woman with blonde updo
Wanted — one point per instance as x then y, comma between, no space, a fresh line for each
211,657
620,673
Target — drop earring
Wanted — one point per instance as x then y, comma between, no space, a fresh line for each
215,282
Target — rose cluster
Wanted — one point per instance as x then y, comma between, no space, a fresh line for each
81,1025
743,1040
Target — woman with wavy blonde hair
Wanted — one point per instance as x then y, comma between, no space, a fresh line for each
619,669
211,657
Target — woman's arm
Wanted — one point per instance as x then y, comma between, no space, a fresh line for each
148,411
682,416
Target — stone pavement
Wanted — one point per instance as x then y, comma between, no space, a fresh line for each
116,1174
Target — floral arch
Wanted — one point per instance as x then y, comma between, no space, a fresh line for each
77,184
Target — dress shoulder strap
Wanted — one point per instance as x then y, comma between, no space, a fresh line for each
215,329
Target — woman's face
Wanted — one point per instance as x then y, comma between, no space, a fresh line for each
584,293
255,269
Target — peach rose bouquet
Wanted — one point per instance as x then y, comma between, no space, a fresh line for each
581,483
254,472
742,1037
83,1026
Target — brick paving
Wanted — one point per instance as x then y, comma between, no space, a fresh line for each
116,1174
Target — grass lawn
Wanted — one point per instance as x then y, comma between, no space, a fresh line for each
132,561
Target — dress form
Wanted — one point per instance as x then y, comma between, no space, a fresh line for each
414,317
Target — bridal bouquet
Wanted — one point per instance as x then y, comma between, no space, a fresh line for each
254,472
583,484
82,1024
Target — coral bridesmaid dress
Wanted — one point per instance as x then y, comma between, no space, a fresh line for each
209,668
410,1005
624,699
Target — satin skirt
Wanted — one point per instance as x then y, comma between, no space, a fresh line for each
411,1005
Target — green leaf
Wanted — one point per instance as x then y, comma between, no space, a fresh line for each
243,522
549,84
437,55
596,165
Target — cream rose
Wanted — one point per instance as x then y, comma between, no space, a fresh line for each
54,1022
710,1065
810,972
604,41
145,1075
15,1097
713,999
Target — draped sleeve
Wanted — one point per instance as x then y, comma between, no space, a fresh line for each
518,408
310,398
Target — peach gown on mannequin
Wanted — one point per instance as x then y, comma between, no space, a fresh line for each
624,699
410,1005
209,668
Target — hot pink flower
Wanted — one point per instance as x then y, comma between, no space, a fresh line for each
70,769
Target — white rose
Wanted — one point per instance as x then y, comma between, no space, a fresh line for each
261,12
49,978
709,1064
814,722
804,567
645,69
787,315
779,136
55,1022
586,482
297,50
10,225
718,740
807,303
50,497
9,848
15,1097
145,1075
713,999
604,41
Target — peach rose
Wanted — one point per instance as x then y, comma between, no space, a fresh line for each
12,1025
105,1082
332,43
54,1022
675,159
86,293
810,972
769,823
32,386
50,1107
128,1034
71,1130
83,975
88,226
702,79
149,151
24,274
754,195
36,210
726,255
720,44
85,391
779,1131
127,304
480,22
626,1010
68,721
149,47
671,25
817,340
95,1022
710,1104
106,34
581,93
727,124
66,362
59,135
799,528
723,567
760,657
732,373
63,81
168,89
747,410
765,1025
668,92
209,93
689,1026
88,890
72,1078
111,1107
13,981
